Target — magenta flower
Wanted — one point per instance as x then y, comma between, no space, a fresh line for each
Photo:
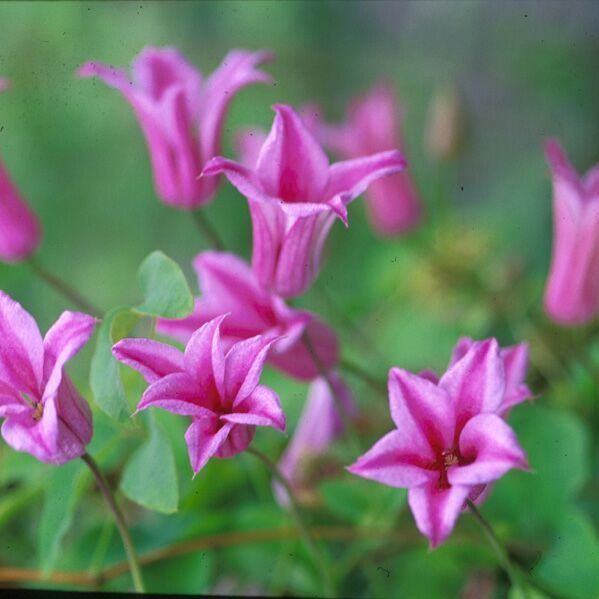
219,391
43,413
572,289
449,443
180,115
372,125
294,197
228,285
319,425
20,232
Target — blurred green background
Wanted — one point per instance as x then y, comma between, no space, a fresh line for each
523,71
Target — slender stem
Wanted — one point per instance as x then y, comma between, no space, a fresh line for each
63,288
348,424
373,382
207,230
120,522
316,555
496,544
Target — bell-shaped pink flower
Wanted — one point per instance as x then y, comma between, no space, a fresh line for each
228,285
449,443
373,125
572,289
20,232
294,197
319,425
219,390
43,413
181,116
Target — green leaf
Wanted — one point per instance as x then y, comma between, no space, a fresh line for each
557,444
150,477
165,289
104,375
571,566
526,591
63,490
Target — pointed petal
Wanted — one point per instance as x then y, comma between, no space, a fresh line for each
436,510
291,164
244,364
460,350
237,70
112,76
248,143
176,393
421,410
20,231
396,460
491,445
154,360
261,408
515,363
204,438
204,359
21,350
63,340
75,418
476,383
350,178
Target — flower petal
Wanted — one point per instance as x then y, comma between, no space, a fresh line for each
154,360
204,359
237,70
291,164
244,364
11,402
204,438
179,394
436,510
21,350
261,408
396,460
63,340
491,446
476,383
515,363
421,410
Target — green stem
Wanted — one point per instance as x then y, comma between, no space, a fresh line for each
63,288
207,230
499,549
311,547
373,382
120,522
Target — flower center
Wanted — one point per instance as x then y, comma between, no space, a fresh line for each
38,411
445,460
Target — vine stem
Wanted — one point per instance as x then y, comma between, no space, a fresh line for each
495,543
207,230
63,288
120,522
313,550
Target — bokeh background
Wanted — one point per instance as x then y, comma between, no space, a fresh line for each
523,71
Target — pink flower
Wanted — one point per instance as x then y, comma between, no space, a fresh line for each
20,232
43,413
228,285
372,125
572,290
180,115
449,443
515,364
219,391
319,425
294,197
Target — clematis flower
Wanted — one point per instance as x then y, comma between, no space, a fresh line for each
294,197
181,116
219,391
20,232
228,285
373,125
449,443
572,289
515,364
43,413
319,425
